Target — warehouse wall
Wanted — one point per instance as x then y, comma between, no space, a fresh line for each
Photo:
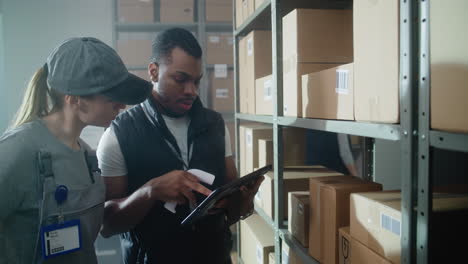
29,32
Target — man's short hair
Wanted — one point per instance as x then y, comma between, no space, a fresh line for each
167,40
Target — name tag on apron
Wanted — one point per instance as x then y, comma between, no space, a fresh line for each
59,239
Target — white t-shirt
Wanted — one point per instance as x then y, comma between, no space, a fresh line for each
110,157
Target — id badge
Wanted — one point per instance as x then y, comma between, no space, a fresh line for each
59,239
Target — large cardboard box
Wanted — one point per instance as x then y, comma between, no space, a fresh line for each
376,60
294,179
254,62
180,11
257,240
219,48
352,251
376,222
136,11
134,51
304,52
222,91
238,11
449,65
288,255
329,94
294,152
264,96
248,137
298,216
218,10
329,200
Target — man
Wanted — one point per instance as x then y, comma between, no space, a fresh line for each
145,157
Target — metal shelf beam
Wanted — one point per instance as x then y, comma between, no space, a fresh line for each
449,141
255,118
295,246
373,130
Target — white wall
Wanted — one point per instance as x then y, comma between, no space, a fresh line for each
31,29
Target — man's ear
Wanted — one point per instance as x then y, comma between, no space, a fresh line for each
153,71
71,100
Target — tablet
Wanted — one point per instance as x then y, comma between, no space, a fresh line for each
202,209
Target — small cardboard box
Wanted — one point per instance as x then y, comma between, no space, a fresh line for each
294,148
294,179
222,90
376,60
329,94
264,96
254,62
180,11
376,223
219,48
257,240
330,200
289,256
218,10
449,66
298,216
136,11
248,137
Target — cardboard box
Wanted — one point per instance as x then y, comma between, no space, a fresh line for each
136,11
271,258
376,60
254,62
294,179
330,198
294,152
257,240
258,3
218,10
248,8
329,94
449,66
222,91
298,216
180,11
219,48
344,246
248,137
264,96
304,53
232,134
289,256
381,213
238,15
134,52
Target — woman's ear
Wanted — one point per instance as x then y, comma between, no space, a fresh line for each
153,71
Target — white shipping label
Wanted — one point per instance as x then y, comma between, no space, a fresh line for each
284,256
267,90
214,39
342,82
222,93
220,70
285,109
390,224
248,138
249,47
259,254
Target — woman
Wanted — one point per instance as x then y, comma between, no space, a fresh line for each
51,201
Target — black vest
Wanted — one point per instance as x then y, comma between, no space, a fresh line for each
144,140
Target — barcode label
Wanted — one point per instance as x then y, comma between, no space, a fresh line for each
342,82
390,224
222,93
249,47
220,70
214,39
259,254
267,90
248,138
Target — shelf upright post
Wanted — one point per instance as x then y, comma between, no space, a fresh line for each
278,147
424,177
409,123
201,28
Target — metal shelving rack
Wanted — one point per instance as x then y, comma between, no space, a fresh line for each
200,26
413,132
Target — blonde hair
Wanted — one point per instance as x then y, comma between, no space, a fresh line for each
38,100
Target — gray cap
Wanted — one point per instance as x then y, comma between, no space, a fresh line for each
87,66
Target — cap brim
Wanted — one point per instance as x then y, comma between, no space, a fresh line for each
132,90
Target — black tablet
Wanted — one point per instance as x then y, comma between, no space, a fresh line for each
222,192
